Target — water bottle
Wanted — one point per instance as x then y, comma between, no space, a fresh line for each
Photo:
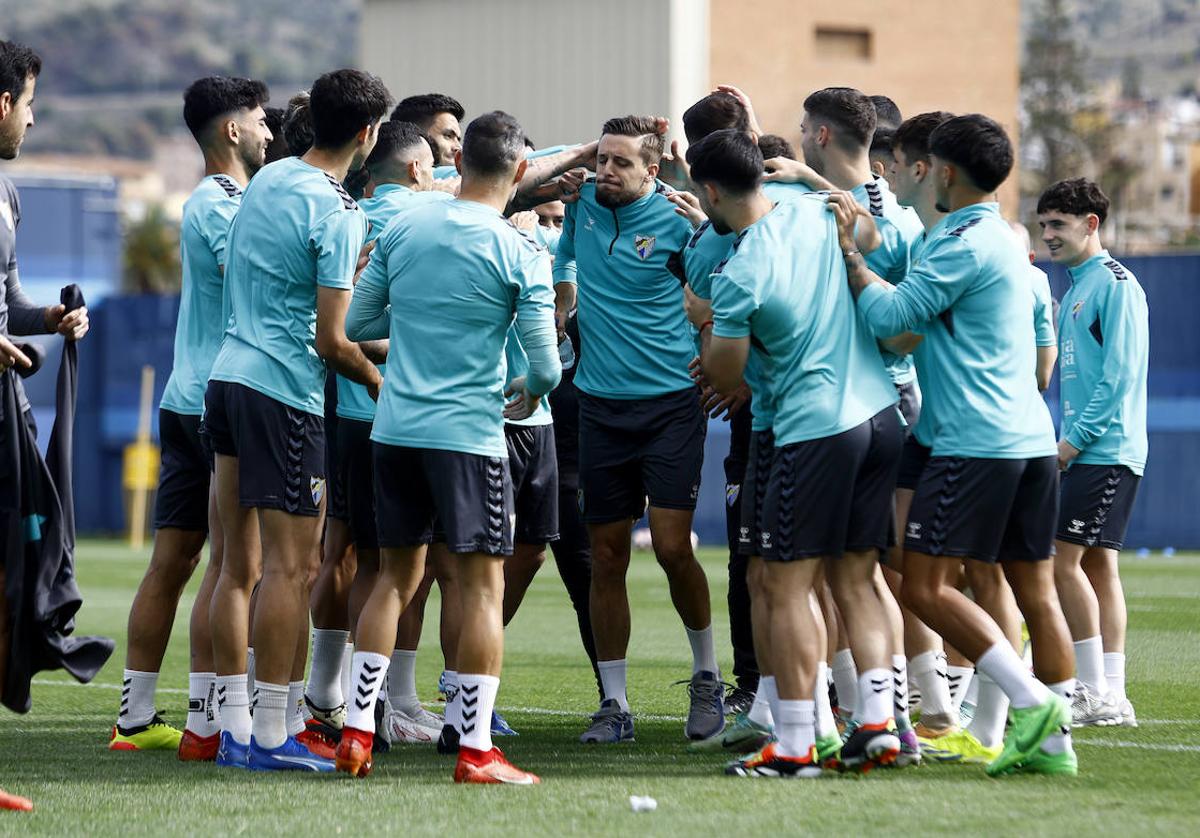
566,353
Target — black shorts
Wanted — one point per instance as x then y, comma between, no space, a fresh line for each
534,471
910,404
833,495
754,491
631,449
280,450
1095,504
986,509
356,474
184,474
468,497
913,458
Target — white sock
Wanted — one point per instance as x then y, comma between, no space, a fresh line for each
1010,672
900,691
795,728
202,718
825,722
991,712
874,696
295,708
928,671
845,680
370,670
344,669
233,702
453,700
1114,674
478,696
704,656
1089,664
1057,743
612,679
760,710
325,675
249,669
137,698
270,714
963,685
402,682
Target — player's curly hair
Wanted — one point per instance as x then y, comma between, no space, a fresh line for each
214,96
1076,196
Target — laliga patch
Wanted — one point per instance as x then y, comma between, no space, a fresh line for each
732,490
644,245
316,485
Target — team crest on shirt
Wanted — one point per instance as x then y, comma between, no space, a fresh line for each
644,245
316,485
732,490
1076,308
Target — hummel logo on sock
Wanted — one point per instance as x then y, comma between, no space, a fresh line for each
879,684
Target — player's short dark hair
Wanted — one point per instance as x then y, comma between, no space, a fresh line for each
887,112
297,124
773,145
912,137
654,144
394,137
882,141
978,145
17,63
1076,196
848,110
215,96
493,144
274,120
342,103
729,159
712,113
421,110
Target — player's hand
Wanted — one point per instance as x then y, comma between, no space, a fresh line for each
11,356
364,258
716,406
569,183
696,372
845,211
447,184
688,205
699,310
525,221
1066,453
561,316
738,94
374,386
661,125
72,325
522,404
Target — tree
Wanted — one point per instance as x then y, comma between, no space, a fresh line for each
152,254
1053,87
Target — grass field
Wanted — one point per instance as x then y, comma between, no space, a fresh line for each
1145,780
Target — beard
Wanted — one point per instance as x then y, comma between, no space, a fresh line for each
615,200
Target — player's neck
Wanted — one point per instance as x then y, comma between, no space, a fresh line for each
1091,248
226,162
491,193
335,162
748,211
848,171
927,211
963,197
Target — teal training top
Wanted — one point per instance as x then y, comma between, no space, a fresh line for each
203,234
443,284
787,292
627,263
968,293
1104,354
388,200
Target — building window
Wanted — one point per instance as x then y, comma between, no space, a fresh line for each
843,43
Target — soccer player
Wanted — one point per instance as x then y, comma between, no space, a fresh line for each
989,490
226,117
293,249
438,437
400,171
641,427
836,133
887,113
1045,309
773,145
277,149
836,447
439,117
1103,333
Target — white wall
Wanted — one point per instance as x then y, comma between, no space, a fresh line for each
560,66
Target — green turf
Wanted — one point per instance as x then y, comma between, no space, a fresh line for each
1143,780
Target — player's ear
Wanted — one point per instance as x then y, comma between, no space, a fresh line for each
1093,222
230,131
710,192
522,167
652,171
6,104
823,136
877,169
458,161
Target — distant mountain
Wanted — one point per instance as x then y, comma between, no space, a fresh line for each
114,70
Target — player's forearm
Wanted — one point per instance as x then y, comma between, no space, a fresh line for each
564,298
24,317
1046,358
861,276
347,360
534,189
375,350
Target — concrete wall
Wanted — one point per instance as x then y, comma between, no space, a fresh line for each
929,55
561,68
